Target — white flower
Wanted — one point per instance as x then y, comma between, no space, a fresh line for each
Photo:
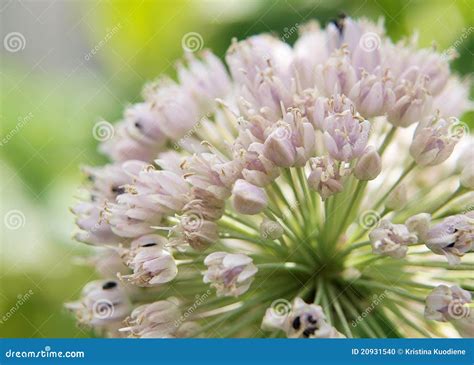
447,303
248,198
230,274
103,303
155,320
391,239
346,135
326,176
453,237
302,321
433,141
151,262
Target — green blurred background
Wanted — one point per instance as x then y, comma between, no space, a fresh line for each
53,91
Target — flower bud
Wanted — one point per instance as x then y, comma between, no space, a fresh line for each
248,198
230,274
151,263
103,303
434,141
397,199
155,320
325,177
453,237
279,148
419,224
467,177
270,229
346,135
391,239
299,320
369,165
445,303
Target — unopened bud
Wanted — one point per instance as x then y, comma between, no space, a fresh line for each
270,229
369,165
248,198
397,199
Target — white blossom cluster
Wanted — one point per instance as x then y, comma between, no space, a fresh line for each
254,177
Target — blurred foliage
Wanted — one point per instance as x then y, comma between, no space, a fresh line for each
39,165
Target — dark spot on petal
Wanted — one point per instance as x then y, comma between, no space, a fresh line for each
312,320
138,125
451,244
118,190
149,244
339,22
296,323
109,285
309,331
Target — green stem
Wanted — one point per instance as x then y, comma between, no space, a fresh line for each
288,266
353,311
387,140
339,312
398,291
459,191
